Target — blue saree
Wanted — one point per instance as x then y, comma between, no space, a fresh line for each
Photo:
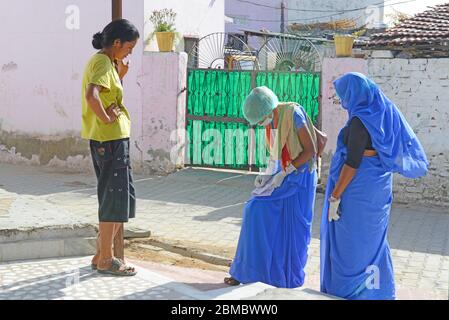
355,255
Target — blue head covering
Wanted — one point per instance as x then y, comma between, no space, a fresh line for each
397,145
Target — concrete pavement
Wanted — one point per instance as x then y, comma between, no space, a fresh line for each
73,279
202,209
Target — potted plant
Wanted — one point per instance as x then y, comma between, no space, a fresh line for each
164,28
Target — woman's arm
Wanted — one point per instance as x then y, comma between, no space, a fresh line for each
357,141
321,141
308,149
346,175
94,102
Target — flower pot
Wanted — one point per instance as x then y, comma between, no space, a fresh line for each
343,45
165,41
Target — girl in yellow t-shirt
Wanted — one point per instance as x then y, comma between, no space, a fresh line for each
106,124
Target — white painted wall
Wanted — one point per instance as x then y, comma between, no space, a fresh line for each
194,18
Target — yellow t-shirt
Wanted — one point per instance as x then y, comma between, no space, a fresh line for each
101,71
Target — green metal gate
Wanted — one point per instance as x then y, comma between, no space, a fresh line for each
218,134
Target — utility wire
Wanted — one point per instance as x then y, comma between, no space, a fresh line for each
319,17
317,10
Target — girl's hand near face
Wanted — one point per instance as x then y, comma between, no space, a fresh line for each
122,68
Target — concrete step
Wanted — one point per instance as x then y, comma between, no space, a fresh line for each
47,242
261,291
292,294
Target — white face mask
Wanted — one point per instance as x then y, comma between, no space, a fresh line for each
266,122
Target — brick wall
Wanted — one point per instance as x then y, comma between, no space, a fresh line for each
420,89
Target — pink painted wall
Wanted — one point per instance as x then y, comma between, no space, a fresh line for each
334,116
164,104
132,85
41,69
42,62
42,65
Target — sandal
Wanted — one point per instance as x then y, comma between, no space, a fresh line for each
118,268
94,266
231,281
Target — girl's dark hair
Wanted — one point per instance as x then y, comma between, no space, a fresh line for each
121,29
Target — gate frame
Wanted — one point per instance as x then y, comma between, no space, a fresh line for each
251,142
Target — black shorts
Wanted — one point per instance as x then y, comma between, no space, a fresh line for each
115,189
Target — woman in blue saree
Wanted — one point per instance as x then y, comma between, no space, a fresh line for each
376,142
277,219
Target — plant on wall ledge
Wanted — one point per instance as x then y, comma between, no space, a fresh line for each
164,28
163,20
